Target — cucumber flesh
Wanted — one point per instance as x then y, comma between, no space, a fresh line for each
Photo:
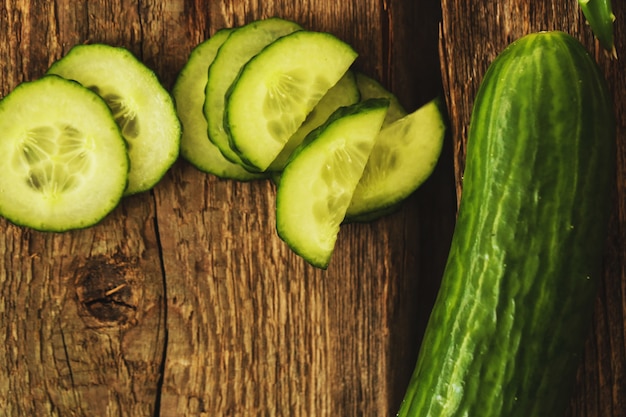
370,88
242,44
344,93
371,216
316,186
278,88
405,154
64,160
189,97
143,109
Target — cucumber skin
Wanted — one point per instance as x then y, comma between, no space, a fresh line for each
599,15
510,321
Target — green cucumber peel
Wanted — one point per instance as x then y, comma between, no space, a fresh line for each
516,298
599,15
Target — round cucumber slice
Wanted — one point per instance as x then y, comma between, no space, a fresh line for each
242,44
344,93
316,187
278,88
188,93
143,109
404,156
64,160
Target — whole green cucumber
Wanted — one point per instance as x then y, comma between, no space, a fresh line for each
514,308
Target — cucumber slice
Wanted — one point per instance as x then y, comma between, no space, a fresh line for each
404,156
344,93
143,109
370,88
371,216
189,98
64,160
242,44
278,88
316,186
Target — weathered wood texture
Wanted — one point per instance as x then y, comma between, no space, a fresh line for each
68,346
473,33
271,335
184,301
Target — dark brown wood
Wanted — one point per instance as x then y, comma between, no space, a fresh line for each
184,301
81,313
473,33
253,330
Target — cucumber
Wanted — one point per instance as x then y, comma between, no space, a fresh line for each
242,44
514,309
144,110
371,216
371,88
64,161
278,88
189,96
599,15
342,94
405,154
316,186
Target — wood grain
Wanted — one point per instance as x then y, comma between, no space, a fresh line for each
472,34
270,334
184,301
70,347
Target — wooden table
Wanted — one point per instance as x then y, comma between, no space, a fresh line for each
215,316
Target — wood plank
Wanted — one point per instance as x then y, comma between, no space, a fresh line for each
254,330
248,328
473,33
81,313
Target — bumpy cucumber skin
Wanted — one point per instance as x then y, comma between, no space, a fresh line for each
599,14
516,298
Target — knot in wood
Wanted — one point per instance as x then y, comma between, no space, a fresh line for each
104,287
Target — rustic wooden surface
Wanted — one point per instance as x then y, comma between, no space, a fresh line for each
214,315
473,32
217,317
